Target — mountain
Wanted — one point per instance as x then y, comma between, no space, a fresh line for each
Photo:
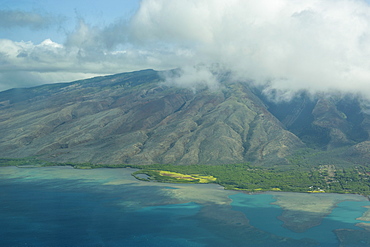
337,127
135,118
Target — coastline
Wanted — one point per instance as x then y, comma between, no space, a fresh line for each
230,177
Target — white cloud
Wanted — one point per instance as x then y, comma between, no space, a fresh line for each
193,77
316,45
24,64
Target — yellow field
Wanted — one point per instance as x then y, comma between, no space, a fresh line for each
276,189
258,189
202,179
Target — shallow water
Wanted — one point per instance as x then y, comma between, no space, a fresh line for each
259,210
59,206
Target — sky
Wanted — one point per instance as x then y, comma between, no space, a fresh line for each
288,46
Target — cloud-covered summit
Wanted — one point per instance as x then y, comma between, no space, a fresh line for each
318,45
314,45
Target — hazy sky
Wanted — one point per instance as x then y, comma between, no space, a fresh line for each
315,45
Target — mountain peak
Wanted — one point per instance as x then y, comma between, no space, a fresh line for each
134,118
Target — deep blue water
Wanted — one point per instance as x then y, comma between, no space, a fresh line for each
32,214
66,207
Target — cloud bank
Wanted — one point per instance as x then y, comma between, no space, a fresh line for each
316,45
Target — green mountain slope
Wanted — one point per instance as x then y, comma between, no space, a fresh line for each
135,118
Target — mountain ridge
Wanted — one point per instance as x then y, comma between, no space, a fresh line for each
135,118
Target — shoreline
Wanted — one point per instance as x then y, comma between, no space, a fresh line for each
184,182
236,177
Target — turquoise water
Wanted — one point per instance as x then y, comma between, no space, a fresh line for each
259,210
58,206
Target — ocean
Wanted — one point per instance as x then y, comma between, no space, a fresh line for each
61,206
